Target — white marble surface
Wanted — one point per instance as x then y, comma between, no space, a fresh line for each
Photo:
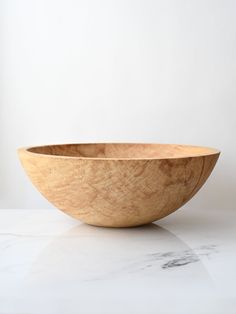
50,263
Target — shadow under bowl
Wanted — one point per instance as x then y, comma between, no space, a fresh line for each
118,185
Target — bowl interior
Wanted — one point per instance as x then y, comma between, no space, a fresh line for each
120,151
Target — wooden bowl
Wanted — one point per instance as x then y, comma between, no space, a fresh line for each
118,185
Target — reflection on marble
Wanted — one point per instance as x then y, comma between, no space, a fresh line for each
88,253
50,263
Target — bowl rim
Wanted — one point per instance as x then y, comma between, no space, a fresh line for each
26,150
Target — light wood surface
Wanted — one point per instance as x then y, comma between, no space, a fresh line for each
118,185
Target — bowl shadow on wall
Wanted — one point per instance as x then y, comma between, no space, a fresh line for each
218,194
90,254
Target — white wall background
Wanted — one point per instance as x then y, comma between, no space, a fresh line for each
117,70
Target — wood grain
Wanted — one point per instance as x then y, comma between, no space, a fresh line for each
118,185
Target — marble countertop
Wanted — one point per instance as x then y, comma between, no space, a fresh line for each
51,263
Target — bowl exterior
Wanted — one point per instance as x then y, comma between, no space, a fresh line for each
117,193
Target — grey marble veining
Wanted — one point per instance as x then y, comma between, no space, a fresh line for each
50,263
